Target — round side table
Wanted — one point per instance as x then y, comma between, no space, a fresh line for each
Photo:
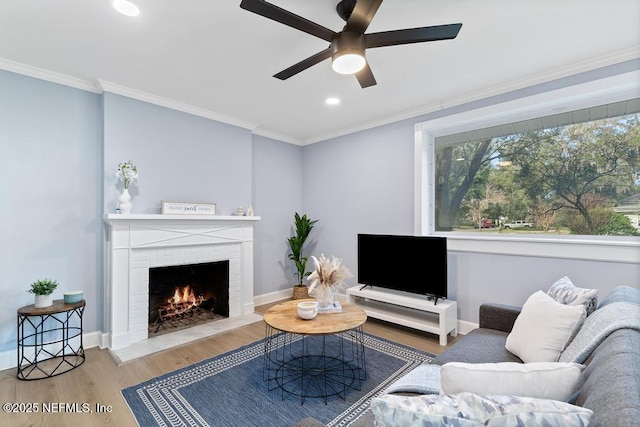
316,358
49,340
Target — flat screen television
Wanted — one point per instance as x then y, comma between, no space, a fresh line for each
416,264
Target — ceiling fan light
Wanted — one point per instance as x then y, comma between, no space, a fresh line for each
348,63
126,8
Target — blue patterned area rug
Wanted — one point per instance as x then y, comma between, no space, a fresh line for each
228,390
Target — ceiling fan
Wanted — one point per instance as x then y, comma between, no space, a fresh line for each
347,47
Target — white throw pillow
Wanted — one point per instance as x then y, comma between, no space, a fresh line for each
544,380
565,292
544,328
471,410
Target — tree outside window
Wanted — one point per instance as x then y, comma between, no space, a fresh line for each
565,179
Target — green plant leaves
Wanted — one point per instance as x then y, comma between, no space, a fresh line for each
303,226
43,287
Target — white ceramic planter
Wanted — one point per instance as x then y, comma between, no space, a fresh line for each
44,301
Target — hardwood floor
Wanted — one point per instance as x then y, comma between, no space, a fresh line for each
99,380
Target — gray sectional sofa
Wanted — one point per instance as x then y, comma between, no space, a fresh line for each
609,385
610,382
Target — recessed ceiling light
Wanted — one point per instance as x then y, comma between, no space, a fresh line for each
126,7
332,101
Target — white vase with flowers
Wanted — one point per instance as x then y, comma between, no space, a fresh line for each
127,173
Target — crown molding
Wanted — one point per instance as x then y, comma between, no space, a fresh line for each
50,76
117,89
570,70
105,86
278,136
99,86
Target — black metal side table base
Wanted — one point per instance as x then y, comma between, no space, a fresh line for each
49,340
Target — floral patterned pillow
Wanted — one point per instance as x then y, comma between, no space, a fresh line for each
472,410
565,292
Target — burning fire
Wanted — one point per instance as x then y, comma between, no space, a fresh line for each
183,294
183,300
184,304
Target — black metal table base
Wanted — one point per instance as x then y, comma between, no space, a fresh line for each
314,366
49,343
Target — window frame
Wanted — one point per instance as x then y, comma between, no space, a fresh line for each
575,97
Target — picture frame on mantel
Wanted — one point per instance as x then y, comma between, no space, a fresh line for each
188,208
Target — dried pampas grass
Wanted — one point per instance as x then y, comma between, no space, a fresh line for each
328,272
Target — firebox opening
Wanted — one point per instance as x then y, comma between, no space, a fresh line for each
184,296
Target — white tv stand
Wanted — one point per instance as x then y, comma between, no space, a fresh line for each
407,309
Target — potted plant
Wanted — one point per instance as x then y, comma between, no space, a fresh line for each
43,290
303,226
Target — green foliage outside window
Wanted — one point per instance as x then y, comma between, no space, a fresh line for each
565,180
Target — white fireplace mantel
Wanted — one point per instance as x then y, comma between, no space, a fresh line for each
137,242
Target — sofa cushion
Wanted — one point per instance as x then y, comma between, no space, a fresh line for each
611,379
423,379
478,346
565,292
544,328
472,410
622,294
606,320
544,380
500,317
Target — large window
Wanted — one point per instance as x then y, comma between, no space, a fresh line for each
572,173
551,174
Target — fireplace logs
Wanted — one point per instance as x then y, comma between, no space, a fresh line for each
184,303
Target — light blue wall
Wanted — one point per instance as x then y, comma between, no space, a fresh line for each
180,157
50,187
277,194
360,183
364,182
477,278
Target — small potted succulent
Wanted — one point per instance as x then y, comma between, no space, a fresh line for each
43,290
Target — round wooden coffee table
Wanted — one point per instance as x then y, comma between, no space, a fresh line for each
321,357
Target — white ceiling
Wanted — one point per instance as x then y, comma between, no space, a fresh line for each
214,59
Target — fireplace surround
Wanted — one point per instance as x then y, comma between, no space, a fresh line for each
139,242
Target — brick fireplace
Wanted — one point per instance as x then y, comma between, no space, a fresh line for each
140,242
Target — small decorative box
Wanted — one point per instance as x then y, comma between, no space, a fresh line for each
73,297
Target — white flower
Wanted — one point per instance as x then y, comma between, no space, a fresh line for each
127,172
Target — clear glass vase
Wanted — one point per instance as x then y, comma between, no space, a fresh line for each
325,295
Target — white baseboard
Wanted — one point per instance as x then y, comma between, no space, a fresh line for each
9,359
273,296
465,327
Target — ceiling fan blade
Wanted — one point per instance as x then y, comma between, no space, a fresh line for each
362,14
304,64
365,77
285,17
413,35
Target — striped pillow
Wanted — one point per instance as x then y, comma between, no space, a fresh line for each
565,292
